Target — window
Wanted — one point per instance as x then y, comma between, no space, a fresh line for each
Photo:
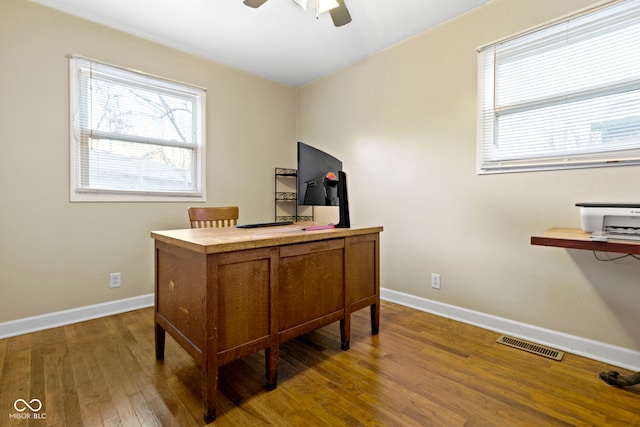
563,96
134,137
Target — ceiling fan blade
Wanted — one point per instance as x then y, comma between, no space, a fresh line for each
254,3
340,15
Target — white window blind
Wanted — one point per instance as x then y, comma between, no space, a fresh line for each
134,137
563,96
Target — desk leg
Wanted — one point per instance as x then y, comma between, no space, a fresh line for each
160,339
271,363
345,332
375,318
209,391
615,379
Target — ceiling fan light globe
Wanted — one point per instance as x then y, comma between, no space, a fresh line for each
302,3
326,5
321,5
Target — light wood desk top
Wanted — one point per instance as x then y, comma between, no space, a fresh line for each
228,239
575,238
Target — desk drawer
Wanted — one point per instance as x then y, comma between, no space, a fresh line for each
311,282
243,282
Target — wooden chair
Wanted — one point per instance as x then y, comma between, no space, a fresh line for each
211,217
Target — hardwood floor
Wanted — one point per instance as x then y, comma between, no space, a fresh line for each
422,370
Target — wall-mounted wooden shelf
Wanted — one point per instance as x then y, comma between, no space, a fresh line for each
574,238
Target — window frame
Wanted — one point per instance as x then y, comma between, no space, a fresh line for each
489,160
79,136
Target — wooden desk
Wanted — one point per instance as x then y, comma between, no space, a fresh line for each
224,293
572,238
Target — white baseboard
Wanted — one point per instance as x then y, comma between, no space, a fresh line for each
66,317
617,356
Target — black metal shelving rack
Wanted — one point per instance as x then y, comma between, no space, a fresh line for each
288,198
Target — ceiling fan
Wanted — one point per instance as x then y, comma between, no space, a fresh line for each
338,10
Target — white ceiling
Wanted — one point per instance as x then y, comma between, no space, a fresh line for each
279,41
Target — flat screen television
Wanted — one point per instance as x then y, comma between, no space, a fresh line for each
322,182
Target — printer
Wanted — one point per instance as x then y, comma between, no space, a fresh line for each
611,220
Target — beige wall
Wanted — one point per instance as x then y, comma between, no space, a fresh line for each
404,124
56,255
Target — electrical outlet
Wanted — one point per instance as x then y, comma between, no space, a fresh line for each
115,280
435,280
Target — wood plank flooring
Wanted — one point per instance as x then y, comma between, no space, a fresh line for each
422,370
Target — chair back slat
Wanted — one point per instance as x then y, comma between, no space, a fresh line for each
212,217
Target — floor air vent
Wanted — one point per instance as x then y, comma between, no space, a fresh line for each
531,347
